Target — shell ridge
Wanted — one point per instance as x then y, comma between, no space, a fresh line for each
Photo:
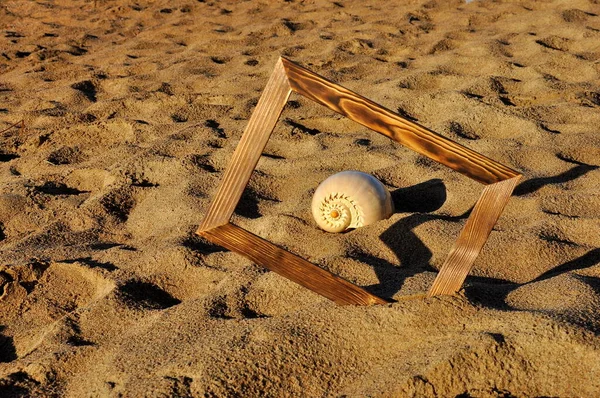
350,199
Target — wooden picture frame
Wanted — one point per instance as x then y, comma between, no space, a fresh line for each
288,76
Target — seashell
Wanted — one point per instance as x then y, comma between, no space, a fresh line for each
350,199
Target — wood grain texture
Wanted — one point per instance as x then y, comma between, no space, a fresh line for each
473,236
249,149
289,265
394,126
287,76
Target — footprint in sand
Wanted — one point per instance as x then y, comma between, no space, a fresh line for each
38,295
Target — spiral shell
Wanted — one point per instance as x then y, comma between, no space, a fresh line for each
350,199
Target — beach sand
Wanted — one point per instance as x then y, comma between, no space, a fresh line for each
131,111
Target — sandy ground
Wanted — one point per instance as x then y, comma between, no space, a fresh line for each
131,111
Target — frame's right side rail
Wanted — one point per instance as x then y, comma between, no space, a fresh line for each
473,236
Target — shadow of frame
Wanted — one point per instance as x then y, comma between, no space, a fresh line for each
493,293
413,255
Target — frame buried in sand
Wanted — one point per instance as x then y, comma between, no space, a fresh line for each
498,179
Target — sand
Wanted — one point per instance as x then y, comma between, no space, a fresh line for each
131,111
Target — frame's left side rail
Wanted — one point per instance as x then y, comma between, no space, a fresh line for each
248,150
